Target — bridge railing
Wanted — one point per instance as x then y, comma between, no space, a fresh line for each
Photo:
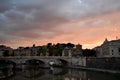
36,57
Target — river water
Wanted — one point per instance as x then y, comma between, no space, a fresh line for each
36,73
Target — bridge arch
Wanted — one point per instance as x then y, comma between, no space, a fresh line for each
34,62
5,63
63,63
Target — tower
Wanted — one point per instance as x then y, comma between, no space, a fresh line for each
106,40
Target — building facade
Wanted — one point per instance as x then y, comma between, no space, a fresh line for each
75,52
27,51
5,51
108,49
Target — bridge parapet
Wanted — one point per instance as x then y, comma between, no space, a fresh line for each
46,59
36,57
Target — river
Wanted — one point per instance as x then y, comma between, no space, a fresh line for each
36,73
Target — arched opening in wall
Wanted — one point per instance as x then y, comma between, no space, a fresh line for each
35,63
62,63
8,63
6,69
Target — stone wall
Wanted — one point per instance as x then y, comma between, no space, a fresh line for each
81,61
104,63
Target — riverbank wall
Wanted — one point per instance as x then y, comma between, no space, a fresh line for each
106,63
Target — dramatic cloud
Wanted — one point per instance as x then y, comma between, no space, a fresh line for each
24,22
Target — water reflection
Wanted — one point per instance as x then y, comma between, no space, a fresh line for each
33,72
6,72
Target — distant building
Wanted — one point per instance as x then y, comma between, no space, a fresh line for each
27,51
22,52
108,49
77,51
4,49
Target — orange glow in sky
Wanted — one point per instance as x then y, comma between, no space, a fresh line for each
87,22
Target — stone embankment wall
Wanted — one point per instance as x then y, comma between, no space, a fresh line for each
81,61
103,63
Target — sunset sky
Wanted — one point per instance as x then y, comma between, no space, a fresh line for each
87,22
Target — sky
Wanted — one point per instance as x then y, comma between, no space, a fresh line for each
87,22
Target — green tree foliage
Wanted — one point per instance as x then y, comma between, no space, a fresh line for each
59,47
70,45
63,45
54,49
6,53
51,51
49,45
89,53
42,51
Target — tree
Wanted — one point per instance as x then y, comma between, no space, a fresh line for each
89,53
59,52
70,45
51,51
54,49
49,45
6,53
42,51
57,45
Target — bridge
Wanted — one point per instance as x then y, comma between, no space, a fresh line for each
44,60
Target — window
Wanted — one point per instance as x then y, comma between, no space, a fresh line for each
112,52
118,49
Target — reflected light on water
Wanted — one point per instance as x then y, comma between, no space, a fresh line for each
33,72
